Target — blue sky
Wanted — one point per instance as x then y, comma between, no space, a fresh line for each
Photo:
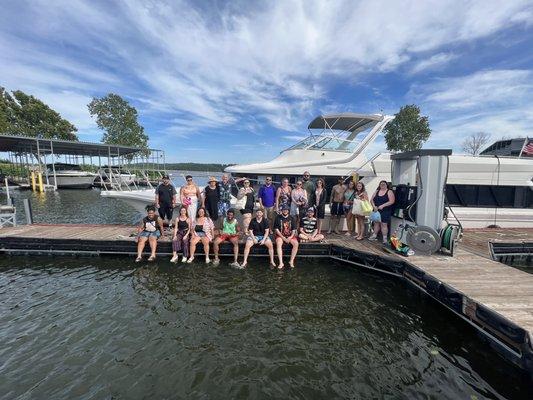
239,81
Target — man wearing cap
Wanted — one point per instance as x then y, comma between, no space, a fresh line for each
165,199
308,227
286,233
309,187
211,198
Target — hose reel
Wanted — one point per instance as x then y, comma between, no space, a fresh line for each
423,239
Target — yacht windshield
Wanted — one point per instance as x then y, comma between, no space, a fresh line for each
331,141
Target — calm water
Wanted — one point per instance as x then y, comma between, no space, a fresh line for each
105,328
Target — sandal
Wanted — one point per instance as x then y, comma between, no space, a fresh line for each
152,258
138,259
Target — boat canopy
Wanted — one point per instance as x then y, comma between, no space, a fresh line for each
349,122
339,132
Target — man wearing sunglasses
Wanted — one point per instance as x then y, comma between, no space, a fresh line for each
267,200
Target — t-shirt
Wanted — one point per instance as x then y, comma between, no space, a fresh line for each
166,193
267,194
258,228
309,224
285,225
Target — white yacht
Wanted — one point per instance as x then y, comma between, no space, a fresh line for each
118,176
69,176
481,191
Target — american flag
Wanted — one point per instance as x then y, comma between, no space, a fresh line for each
528,148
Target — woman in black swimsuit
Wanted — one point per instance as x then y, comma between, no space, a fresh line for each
180,239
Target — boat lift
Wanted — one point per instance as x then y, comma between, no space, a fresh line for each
29,156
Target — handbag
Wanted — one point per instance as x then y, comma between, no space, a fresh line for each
375,216
357,208
366,207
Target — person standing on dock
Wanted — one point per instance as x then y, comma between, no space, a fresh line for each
248,192
283,195
309,187
230,232
349,196
320,202
226,189
165,199
299,202
211,198
150,229
286,232
180,239
336,209
382,200
267,200
357,209
189,196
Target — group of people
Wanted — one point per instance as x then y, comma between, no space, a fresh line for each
286,215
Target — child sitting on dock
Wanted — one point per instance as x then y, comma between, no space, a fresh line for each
150,229
308,228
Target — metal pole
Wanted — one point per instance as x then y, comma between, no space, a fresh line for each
9,203
28,211
53,164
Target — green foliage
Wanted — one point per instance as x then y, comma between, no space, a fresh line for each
118,119
25,115
408,130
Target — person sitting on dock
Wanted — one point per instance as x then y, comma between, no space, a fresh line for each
202,230
180,239
309,229
150,229
165,199
230,232
258,233
285,229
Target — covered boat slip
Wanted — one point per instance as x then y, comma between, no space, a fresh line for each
494,298
49,156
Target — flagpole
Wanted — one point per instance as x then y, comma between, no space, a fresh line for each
526,141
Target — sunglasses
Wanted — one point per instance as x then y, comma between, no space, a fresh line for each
269,180
190,179
298,184
247,182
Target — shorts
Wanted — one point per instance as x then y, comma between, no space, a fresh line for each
258,238
201,234
270,213
166,211
147,234
227,236
246,211
337,209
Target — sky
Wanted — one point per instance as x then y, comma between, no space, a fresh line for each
239,81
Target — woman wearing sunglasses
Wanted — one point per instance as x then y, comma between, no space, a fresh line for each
189,196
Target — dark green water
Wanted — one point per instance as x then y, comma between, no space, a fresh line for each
106,328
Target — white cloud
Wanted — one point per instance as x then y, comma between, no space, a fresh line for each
262,63
433,62
494,101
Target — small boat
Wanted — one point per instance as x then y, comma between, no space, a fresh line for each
69,176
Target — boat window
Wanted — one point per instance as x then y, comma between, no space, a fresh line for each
305,142
335,143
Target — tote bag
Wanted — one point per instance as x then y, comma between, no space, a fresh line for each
357,208
366,207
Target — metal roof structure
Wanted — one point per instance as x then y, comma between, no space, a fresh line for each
349,122
32,145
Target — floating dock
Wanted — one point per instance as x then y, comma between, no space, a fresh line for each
493,297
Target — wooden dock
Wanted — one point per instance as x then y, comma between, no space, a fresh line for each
493,297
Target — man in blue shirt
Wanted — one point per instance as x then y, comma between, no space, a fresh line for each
267,199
